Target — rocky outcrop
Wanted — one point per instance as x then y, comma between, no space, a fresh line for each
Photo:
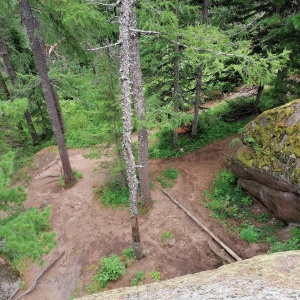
267,161
9,280
274,276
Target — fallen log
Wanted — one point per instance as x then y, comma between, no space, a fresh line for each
230,251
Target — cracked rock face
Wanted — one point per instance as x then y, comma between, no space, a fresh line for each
267,161
9,280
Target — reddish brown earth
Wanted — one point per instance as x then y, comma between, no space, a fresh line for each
87,231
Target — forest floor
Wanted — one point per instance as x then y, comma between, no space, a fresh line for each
87,231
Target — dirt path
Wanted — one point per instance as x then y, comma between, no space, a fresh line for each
86,231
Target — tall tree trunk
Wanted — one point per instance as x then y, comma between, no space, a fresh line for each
28,20
199,76
197,100
176,99
139,104
124,24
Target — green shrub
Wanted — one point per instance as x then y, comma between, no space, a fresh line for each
166,236
292,244
250,234
225,198
167,177
138,278
115,195
170,173
112,268
155,276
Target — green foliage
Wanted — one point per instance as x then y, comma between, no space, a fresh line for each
291,244
225,198
212,127
11,199
170,173
129,255
24,236
250,234
251,141
156,276
115,195
166,236
138,278
111,269
167,177
22,232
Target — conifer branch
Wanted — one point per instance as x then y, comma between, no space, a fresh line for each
103,47
144,31
210,51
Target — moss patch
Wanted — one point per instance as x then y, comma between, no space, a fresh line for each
274,138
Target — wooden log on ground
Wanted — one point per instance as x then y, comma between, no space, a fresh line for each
230,251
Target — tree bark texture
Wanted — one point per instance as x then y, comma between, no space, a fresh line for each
257,98
205,11
10,70
28,20
197,100
124,24
139,104
176,89
4,87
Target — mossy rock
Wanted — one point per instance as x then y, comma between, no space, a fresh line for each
273,140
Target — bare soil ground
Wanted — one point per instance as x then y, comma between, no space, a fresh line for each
87,231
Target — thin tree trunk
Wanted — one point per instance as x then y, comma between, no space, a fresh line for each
124,24
4,87
32,131
197,100
28,20
199,76
176,99
205,11
257,98
10,70
139,104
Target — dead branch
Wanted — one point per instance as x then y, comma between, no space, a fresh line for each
103,47
231,252
35,282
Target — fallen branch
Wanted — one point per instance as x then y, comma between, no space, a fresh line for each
231,252
35,282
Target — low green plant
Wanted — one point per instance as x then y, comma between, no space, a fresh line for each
138,278
167,235
61,179
225,198
255,146
115,195
291,244
112,268
129,255
170,173
168,177
156,276
250,234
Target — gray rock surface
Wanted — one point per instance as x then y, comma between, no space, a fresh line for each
9,280
274,277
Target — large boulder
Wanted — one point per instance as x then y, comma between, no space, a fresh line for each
9,280
267,161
